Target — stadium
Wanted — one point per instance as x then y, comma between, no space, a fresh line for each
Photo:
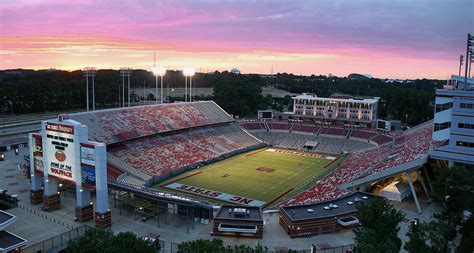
190,163
196,151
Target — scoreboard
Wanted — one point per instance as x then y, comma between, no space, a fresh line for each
265,114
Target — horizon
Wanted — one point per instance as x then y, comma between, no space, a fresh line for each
228,70
388,40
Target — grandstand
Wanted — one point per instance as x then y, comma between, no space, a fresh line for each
147,143
150,144
409,150
163,153
117,125
331,139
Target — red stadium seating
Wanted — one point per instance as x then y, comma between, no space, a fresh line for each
381,139
113,172
335,131
159,154
410,146
363,134
111,126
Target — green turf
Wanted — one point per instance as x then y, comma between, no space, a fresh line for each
291,171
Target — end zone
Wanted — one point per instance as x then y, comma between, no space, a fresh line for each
214,194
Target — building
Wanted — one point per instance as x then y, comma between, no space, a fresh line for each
8,241
238,221
322,217
338,109
453,133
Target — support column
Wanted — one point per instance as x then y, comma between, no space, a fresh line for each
84,206
51,198
36,192
450,163
423,184
103,216
413,192
427,177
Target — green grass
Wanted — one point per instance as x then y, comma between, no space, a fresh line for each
291,173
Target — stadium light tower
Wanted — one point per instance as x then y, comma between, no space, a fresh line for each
125,72
471,61
470,39
159,71
90,72
188,72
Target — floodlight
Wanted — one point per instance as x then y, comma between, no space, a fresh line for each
188,71
159,71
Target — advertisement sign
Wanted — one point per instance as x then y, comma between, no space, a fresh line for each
59,128
87,155
60,148
37,146
88,177
38,164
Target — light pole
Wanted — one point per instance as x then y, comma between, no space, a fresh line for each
471,61
159,71
188,72
125,72
468,47
90,72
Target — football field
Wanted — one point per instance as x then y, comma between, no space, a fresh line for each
259,178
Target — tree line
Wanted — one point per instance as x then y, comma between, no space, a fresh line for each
29,91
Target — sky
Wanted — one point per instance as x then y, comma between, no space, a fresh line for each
384,38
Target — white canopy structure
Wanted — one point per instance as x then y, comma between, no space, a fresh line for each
396,191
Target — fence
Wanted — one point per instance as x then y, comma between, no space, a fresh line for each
339,249
56,243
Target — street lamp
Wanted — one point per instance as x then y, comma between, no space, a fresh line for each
188,72
159,71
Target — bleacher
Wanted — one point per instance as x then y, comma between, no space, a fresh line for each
361,134
160,154
381,139
336,131
116,125
409,146
412,145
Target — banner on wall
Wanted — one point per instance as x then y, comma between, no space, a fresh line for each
87,155
88,177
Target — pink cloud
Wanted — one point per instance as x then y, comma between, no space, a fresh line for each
366,33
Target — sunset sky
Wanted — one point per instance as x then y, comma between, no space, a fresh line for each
384,38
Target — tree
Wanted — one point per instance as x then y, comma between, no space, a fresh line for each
417,242
454,189
96,240
467,244
217,246
379,227
238,96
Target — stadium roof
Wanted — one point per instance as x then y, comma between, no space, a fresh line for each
353,100
333,208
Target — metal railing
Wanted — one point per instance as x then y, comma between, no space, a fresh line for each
56,243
